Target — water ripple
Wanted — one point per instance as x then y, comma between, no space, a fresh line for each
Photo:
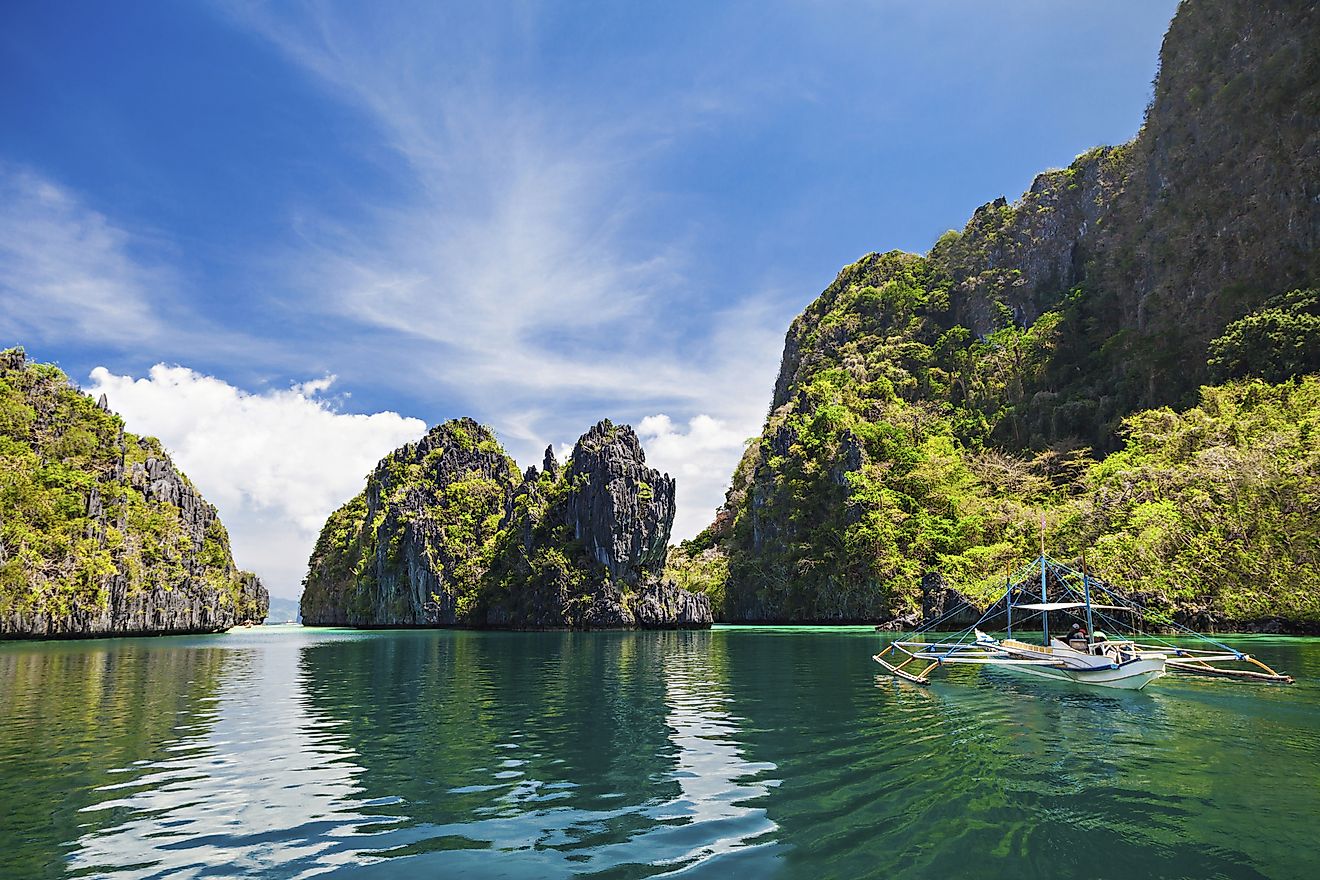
298,753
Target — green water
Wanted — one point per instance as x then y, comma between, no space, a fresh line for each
775,753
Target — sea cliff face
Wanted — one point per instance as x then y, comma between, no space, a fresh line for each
411,549
448,533
100,534
930,407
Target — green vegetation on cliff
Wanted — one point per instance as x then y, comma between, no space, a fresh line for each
1057,355
413,547
1215,509
448,533
879,468
96,526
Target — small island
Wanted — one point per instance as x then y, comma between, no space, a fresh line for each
102,534
447,532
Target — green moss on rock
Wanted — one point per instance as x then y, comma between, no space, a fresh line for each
99,533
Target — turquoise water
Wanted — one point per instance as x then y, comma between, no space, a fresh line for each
289,752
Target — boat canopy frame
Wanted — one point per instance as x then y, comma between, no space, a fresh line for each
1077,589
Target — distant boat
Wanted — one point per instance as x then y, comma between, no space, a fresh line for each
1086,656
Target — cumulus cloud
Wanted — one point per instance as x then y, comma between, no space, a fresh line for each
698,458
274,463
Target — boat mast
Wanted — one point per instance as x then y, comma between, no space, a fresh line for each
1044,589
1086,588
1008,598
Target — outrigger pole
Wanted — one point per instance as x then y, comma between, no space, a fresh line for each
1008,598
970,645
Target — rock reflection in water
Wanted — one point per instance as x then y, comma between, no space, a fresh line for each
298,753
589,752
254,782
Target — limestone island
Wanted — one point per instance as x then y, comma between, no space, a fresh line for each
100,534
447,532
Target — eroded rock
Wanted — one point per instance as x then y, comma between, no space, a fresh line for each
448,533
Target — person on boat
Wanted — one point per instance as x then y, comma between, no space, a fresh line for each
1077,638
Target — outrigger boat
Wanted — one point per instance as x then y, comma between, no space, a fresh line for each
1093,660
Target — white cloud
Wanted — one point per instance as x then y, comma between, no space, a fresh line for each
517,278
522,274
699,461
512,253
66,270
515,282
275,464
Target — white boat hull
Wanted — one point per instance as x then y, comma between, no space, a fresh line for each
1131,676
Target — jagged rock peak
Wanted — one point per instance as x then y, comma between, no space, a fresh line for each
13,358
409,548
606,433
447,532
620,509
459,435
448,452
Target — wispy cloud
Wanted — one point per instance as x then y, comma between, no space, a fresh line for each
522,272
72,276
67,270
275,464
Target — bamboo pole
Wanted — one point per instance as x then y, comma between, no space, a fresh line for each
907,676
1207,669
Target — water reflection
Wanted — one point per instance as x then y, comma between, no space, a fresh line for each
300,753
254,781
616,757
71,715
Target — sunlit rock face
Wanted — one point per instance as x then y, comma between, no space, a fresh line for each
593,539
921,397
412,547
102,534
621,510
448,533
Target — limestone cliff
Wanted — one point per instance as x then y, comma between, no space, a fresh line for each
928,407
100,534
448,533
410,550
1147,250
587,547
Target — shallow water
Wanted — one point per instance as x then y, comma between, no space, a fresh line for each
291,752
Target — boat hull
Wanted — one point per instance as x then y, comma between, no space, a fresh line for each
1131,676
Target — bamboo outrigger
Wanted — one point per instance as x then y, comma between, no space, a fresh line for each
1094,659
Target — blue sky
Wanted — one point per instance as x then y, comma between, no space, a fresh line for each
326,226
